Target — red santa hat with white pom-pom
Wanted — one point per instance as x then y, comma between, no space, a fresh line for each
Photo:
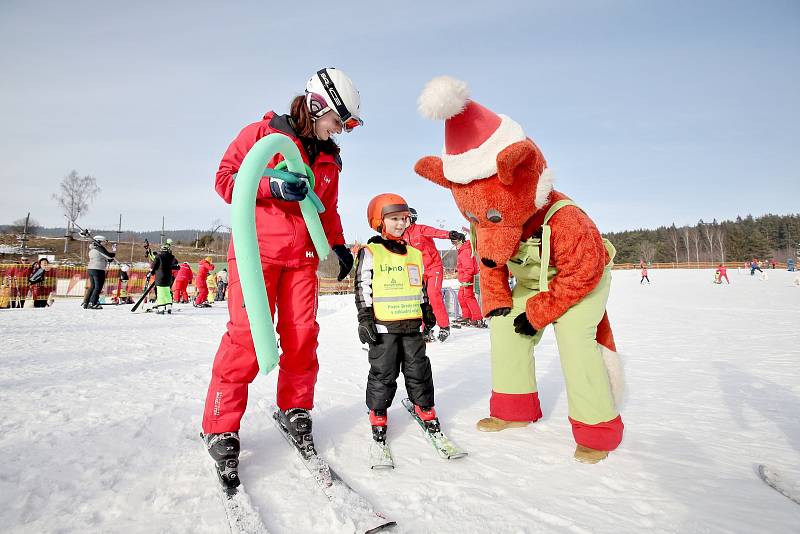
473,135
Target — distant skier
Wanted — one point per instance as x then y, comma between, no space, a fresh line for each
222,284
392,307
182,280
421,237
122,291
19,283
99,258
644,276
42,285
721,273
754,267
467,268
163,265
201,283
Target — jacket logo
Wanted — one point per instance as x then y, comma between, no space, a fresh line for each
309,254
390,268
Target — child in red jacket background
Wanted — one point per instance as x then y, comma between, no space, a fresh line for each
467,268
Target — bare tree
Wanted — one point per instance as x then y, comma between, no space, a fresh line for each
75,195
674,239
720,235
694,234
647,251
18,226
685,236
709,231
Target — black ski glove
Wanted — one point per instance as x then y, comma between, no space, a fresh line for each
456,236
523,326
293,192
345,260
498,312
428,317
367,333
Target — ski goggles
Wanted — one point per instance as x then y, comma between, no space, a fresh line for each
319,107
350,123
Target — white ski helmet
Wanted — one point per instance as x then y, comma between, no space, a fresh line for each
100,238
331,89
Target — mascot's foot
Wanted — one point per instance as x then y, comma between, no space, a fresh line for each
589,456
494,424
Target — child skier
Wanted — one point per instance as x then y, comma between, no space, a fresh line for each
421,236
722,272
644,276
467,268
392,305
182,280
163,265
205,267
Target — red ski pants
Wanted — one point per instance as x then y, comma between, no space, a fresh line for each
433,282
294,293
469,304
202,291
179,293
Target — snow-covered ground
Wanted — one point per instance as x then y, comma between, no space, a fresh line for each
102,409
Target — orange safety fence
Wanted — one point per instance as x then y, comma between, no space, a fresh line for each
67,280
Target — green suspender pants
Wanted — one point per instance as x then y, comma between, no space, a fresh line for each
163,295
595,420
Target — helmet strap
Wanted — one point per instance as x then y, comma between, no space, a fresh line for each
333,93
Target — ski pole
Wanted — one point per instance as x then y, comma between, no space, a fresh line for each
245,240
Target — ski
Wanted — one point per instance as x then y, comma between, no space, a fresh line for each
347,501
242,516
144,296
380,456
156,309
776,482
446,448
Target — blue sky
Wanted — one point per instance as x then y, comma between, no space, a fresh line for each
648,112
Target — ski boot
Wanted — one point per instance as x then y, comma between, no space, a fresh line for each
427,335
444,333
296,422
224,449
428,416
378,420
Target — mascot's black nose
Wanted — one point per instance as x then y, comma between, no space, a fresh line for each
489,263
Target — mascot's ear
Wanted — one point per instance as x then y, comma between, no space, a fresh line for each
430,168
516,161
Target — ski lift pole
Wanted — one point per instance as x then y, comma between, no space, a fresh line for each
245,239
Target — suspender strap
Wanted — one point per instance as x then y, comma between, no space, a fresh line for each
546,241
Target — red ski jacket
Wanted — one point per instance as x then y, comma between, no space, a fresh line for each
282,235
184,274
467,265
421,237
203,269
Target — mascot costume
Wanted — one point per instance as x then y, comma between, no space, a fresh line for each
520,224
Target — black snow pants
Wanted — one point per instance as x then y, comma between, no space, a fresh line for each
392,354
97,277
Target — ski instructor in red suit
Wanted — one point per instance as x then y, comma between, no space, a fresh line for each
421,236
289,261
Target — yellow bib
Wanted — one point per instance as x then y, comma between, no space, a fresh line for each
396,284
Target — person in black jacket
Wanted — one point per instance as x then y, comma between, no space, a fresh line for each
163,266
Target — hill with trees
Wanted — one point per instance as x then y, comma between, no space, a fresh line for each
768,236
